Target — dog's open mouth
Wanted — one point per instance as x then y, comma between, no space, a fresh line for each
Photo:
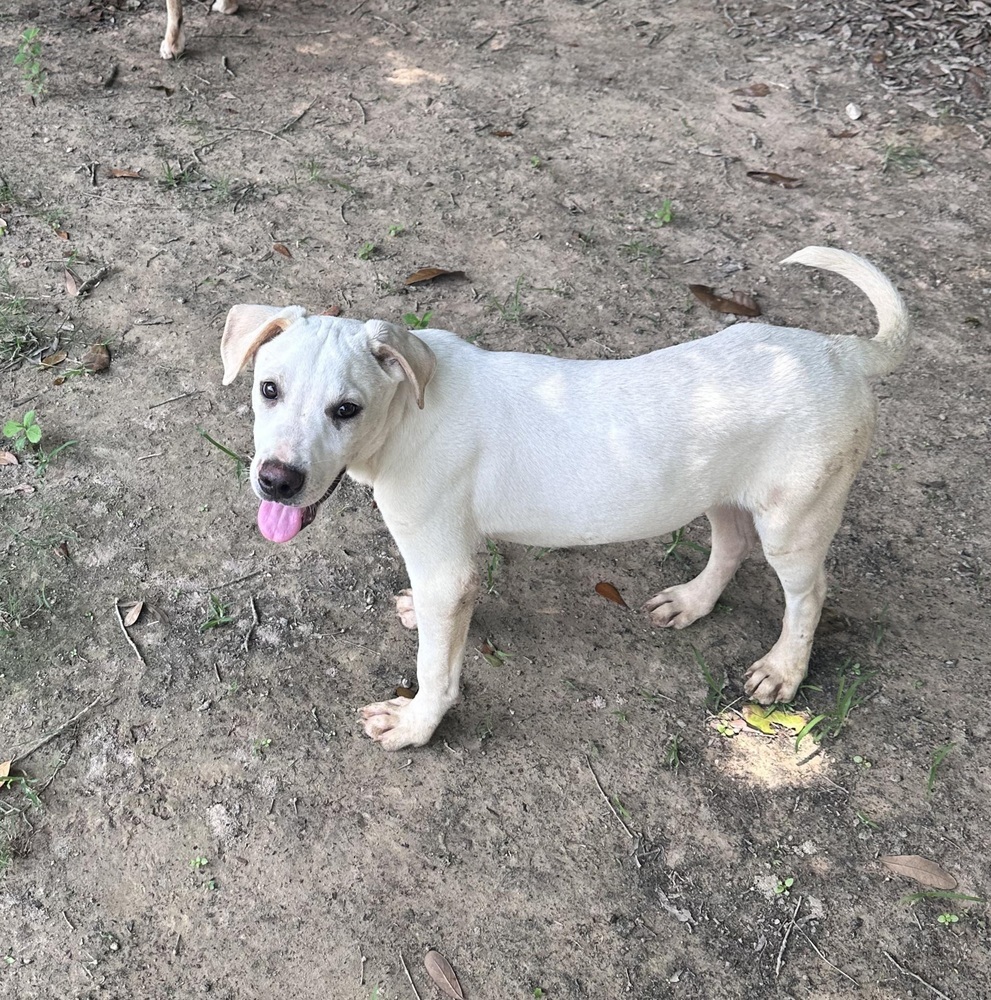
279,522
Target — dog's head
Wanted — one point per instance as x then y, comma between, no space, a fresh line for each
325,392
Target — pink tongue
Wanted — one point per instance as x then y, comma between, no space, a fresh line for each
279,523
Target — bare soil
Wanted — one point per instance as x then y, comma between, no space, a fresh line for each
215,822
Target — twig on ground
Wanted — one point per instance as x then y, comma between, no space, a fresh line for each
38,744
784,940
908,972
230,583
254,622
123,628
416,992
174,399
602,792
835,968
292,121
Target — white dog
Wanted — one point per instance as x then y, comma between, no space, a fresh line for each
761,428
174,41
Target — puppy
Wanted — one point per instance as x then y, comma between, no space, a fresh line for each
760,428
174,41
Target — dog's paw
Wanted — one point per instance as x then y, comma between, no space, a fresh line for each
770,681
225,6
405,609
172,45
677,607
399,723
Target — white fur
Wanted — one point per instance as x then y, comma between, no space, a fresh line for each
761,428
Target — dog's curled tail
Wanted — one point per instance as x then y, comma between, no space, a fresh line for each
886,350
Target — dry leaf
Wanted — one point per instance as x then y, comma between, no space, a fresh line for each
8,458
167,91
610,593
765,719
332,311
125,173
922,870
754,90
849,134
19,488
96,358
71,283
429,273
61,551
501,133
750,109
5,768
54,359
737,303
134,614
405,692
440,971
61,234
769,177
282,249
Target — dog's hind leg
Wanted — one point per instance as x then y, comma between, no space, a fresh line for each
444,595
795,534
733,536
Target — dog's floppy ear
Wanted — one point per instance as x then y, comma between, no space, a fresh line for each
392,344
246,329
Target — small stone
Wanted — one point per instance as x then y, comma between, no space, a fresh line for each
853,112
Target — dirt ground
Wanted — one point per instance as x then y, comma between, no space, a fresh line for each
199,813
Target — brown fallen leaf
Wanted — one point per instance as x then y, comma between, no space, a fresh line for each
610,593
125,173
61,234
429,273
440,971
96,358
54,359
737,303
134,613
753,90
61,551
167,91
5,768
848,134
769,177
332,311
8,458
501,133
922,870
405,692
71,283
282,249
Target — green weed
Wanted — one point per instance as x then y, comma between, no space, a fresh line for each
714,697
829,724
217,615
414,322
511,308
240,464
939,755
26,437
28,58
662,216
368,251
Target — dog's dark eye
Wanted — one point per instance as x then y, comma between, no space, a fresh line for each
345,411
269,390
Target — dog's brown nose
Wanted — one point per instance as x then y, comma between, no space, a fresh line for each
279,481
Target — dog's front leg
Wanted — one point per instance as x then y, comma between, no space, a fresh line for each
444,597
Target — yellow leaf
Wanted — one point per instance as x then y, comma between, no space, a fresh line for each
765,719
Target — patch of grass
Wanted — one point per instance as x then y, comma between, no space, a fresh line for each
217,616
672,757
908,159
396,229
679,541
17,340
28,58
15,613
511,308
259,747
368,251
26,436
240,464
830,723
637,250
492,565
414,322
939,755
173,179
714,697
